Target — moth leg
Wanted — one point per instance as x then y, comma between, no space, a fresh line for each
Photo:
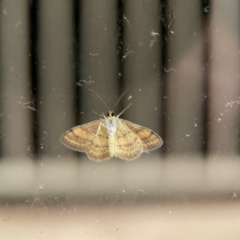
122,125
101,124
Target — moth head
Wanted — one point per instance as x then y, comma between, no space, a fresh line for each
110,114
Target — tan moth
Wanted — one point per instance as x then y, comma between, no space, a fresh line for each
111,136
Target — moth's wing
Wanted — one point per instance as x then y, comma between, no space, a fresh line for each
126,144
84,138
80,137
150,140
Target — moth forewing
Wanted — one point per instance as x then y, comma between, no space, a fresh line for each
150,140
80,137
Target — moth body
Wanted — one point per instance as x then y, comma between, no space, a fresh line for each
111,123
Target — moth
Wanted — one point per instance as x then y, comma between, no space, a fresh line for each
110,137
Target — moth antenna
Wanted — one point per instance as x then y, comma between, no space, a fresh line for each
100,98
128,106
120,98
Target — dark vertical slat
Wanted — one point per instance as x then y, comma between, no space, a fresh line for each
77,62
164,19
34,65
1,102
77,54
120,51
206,63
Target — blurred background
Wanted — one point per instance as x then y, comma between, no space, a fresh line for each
180,60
